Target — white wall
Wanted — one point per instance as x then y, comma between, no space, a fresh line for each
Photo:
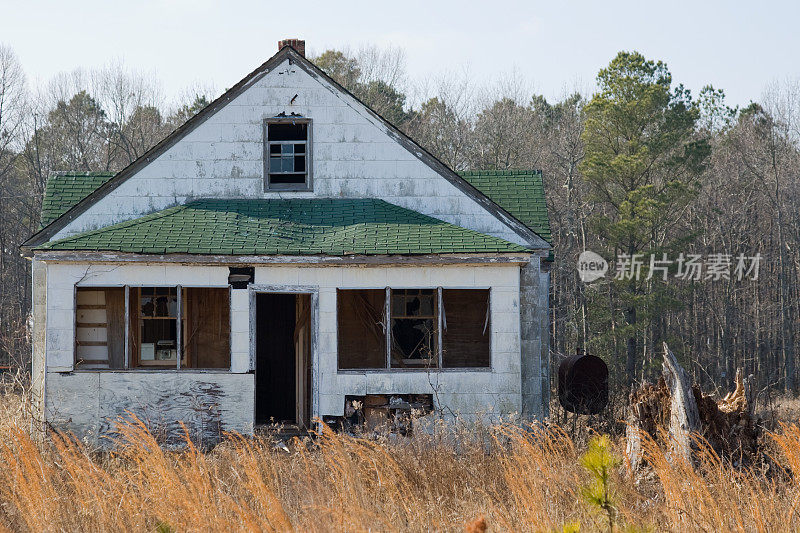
469,393
353,157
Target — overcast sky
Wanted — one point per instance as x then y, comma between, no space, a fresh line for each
738,46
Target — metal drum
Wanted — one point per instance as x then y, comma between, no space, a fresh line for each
583,384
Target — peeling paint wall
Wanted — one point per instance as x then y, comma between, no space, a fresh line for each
207,403
83,400
468,393
39,337
534,323
354,156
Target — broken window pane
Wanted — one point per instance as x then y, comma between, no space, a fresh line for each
360,318
288,131
288,154
466,328
275,164
287,178
414,328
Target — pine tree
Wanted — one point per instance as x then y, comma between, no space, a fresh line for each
642,160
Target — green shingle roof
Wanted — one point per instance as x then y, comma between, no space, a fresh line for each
65,189
520,192
324,226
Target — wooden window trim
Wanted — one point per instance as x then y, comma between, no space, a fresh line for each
132,321
437,328
308,185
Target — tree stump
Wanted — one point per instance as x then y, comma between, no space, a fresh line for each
677,408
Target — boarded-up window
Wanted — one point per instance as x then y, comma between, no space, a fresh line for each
206,325
100,328
362,339
465,328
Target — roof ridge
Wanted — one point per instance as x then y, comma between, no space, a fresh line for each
80,173
506,172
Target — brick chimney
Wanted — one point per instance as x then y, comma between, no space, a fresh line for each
297,44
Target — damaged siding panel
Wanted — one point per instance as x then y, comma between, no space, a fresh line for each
38,338
534,320
207,403
73,402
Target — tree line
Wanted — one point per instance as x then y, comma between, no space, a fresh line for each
692,203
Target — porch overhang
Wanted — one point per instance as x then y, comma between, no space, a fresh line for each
72,256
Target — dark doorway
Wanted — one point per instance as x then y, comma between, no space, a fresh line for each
283,357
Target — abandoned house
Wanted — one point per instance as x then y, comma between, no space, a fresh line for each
288,255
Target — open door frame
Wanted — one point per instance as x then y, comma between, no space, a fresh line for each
312,337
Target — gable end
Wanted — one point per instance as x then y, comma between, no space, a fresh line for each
46,233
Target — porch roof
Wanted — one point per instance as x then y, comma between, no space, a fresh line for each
319,226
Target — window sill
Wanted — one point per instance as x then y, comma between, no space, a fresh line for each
154,371
407,370
303,188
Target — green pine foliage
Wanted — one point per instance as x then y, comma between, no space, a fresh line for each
600,461
643,161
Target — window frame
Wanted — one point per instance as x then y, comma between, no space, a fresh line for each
435,315
439,333
165,364
131,362
77,324
308,184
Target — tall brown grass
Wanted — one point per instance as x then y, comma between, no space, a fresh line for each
507,477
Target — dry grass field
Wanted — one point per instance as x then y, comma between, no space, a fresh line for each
506,478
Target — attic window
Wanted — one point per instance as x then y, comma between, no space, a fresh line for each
287,154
